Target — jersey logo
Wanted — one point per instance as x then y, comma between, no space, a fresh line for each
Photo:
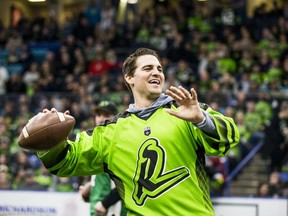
147,131
150,178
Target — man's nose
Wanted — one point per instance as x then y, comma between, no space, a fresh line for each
155,71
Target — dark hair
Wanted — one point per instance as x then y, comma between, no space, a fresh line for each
129,64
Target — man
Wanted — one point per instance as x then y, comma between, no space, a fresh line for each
99,187
4,77
155,150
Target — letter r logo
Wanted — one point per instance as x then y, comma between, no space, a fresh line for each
150,179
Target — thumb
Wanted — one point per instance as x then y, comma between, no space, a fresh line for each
171,112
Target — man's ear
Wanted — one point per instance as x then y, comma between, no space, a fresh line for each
128,79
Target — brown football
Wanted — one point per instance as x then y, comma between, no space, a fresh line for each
46,130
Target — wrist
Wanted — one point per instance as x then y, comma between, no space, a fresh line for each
201,122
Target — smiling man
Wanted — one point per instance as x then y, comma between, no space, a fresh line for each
155,150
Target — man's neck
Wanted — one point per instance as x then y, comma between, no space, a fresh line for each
144,102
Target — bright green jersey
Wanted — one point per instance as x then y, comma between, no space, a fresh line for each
157,163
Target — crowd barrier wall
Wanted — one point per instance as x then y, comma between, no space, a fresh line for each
248,206
24,203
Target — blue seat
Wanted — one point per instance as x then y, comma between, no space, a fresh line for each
39,54
3,57
284,176
40,49
14,68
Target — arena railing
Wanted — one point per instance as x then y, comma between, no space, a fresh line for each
240,166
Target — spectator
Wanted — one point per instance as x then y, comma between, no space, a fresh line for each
4,77
29,182
275,146
83,29
93,12
26,58
90,49
15,84
183,73
108,14
177,48
65,65
32,75
209,63
263,190
275,184
5,181
64,184
14,42
5,147
158,41
284,75
100,65
100,185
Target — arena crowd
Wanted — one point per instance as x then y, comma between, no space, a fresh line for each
238,66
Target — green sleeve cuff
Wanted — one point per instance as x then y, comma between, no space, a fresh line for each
49,157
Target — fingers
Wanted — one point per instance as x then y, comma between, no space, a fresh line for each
181,93
193,94
45,111
53,110
67,112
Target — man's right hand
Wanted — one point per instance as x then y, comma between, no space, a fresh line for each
85,191
100,210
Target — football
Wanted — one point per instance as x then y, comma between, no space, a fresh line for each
45,130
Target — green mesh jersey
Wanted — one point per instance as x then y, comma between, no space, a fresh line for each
157,164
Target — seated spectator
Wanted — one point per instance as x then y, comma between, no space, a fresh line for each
216,173
15,84
20,165
284,75
29,182
32,75
101,65
4,144
5,181
263,190
65,65
90,48
275,184
43,177
4,76
13,46
64,184
183,73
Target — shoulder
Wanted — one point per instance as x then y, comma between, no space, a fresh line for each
115,119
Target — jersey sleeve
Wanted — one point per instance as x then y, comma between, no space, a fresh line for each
225,138
75,158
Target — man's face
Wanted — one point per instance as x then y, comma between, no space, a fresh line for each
148,79
101,117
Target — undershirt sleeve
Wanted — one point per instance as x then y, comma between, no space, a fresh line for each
111,198
207,125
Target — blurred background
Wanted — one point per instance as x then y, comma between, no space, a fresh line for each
68,54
